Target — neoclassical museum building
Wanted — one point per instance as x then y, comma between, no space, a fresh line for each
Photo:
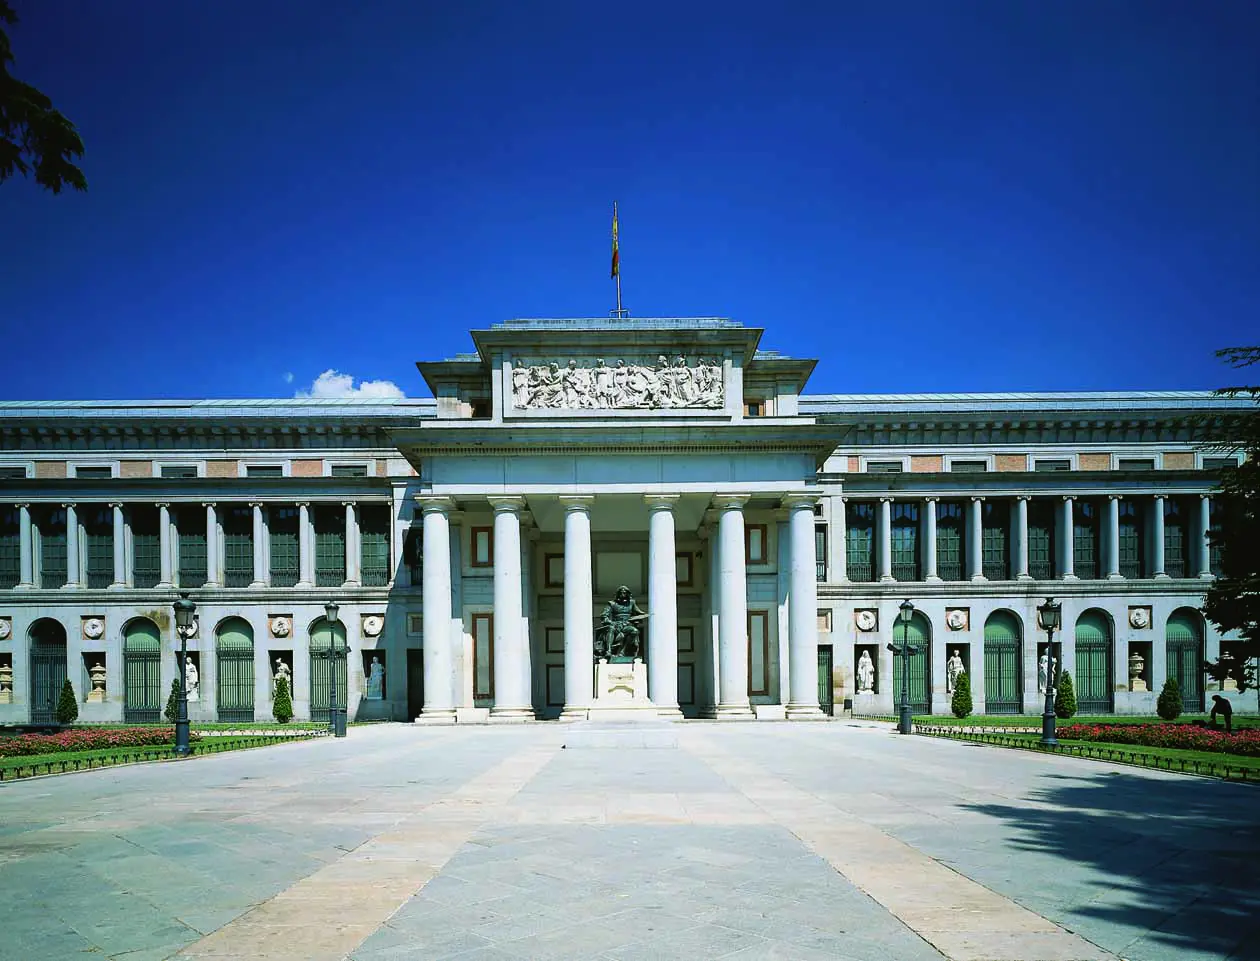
471,542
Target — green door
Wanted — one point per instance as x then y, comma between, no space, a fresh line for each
1093,664
1003,673
1184,639
920,690
142,672
826,693
234,662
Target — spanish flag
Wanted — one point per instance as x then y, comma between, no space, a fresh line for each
616,257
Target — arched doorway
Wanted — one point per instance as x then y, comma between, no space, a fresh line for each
327,647
142,672
1184,641
1003,671
234,670
920,635
1093,663
48,669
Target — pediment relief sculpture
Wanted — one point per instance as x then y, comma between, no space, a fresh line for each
604,386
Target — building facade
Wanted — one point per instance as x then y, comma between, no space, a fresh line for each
472,539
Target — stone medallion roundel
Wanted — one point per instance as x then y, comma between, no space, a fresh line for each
6,628
865,620
281,626
373,624
957,620
1139,617
93,628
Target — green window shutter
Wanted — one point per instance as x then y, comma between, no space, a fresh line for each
284,558
192,559
820,553
330,557
100,559
1132,543
1085,540
52,550
905,542
1214,529
1175,540
374,546
860,542
1041,541
146,560
413,555
950,541
996,542
238,560
10,549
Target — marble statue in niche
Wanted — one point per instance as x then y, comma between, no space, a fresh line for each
866,673
192,680
665,384
375,683
953,668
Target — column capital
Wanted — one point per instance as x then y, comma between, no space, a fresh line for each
507,503
1068,497
1205,497
977,497
209,503
932,499
1115,497
166,504
117,504
1160,497
73,504
1023,497
797,501
661,502
433,504
257,504
349,503
577,502
302,504
728,502
23,505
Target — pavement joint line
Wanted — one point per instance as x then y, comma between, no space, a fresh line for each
959,917
371,883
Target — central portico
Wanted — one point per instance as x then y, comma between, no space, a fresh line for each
570,458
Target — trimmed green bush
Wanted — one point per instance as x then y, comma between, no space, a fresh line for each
1065,698
282,704
68,705
172,703
1169,704
961,703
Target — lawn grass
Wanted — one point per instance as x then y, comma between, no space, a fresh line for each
1034,720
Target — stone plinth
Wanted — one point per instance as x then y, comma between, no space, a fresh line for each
621,692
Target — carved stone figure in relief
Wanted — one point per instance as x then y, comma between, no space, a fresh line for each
601,387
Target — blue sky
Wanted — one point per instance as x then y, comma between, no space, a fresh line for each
928,196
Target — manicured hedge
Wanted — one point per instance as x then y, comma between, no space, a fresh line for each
1187,737
87,739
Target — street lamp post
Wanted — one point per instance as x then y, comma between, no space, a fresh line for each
1048,615
185,627
336,716
905,649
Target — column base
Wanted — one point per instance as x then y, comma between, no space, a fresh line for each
1161,576
116,586
160,585
436,717
1117,576
575,714
977,578
1069,577
254,585
734,712
669,713
1024,577
304,584
805,712
932,579
511,715
887,579
28,586
351,584
68,587
1207,576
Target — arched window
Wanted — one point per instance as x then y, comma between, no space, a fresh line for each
48,668
1093,663
142,672
1184,641
1003,669
920,635
234,670
328,651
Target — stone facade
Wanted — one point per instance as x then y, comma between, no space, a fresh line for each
471,540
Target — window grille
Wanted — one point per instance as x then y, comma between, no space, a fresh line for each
1132,541
884,467
330,547
1176,542
178,471
860,541
10,548
348,470
951,526
1085,540
264,470
238,547
283,539
374,544
905,542
1052,464
996,541
1041,540
820,552
968,467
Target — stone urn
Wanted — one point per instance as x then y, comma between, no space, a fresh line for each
1136,663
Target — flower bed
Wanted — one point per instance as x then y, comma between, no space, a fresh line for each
87,739
1186,737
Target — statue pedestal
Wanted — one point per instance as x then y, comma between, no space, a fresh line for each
96,697
621,692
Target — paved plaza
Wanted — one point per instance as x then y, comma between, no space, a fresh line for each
548,841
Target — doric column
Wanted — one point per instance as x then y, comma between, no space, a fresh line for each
165,576
1205,525
1157,537
1021,538
885,539
353,553
838,542
439,703
306,546
120,547
662,604
1113,537
72,546
975,539
399,525
511,650
1067,549
733,613
26,548
579,627
929,539
214,576
802,612
260,547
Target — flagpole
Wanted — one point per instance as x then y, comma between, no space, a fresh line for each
620,312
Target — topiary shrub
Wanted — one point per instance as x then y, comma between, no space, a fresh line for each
67,705
1169,704
1065,697
172,703
961,703
282,704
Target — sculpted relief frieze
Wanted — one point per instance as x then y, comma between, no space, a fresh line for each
599,386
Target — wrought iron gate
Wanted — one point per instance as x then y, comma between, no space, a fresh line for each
1093,675
142,685
920,694
322,660
826,694
48,676
234,685
1003,674
1185,665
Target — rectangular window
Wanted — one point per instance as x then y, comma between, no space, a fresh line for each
52,549
94,473
483,655
10,547
1132,541
1052,464
146,560
1041,540
98,531
191,544
178,471
1085,539
820,552
754,408
755,544
413,554
951,526
884,467
238,546
684,569
1215,516
758,653
348,470
283,539
1217,463
860,540
1176,541
968,467
264,470
374,546
12,473
1135,463
996,540
330,546
480,409
482,547
905,541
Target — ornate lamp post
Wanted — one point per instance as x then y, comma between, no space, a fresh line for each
905,649
185,627
336,715
1048,616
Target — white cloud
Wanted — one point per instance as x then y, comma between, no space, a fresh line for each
288,376
333,383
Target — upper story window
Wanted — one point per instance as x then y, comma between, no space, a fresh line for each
348,470
173,471
12,473
264,470
1216,463
884,467
1135,463
481,409
93,473
968,467
1052,464
754,408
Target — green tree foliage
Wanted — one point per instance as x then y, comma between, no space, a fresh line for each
34,137
961,702
67,705
172,703
1065,697
282,704
1169,704
1233,600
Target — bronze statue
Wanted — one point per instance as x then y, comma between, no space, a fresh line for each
618,636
